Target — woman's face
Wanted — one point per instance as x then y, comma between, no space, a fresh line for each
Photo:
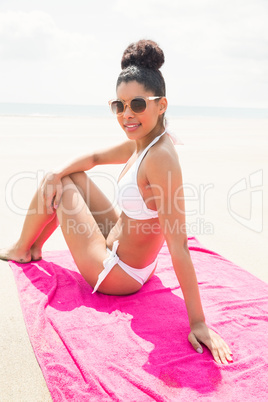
138,125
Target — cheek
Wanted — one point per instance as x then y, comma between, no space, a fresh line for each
149,118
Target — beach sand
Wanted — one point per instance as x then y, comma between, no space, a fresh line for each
225,171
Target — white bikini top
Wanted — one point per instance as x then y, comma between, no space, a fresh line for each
129,197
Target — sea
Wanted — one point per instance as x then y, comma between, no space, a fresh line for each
102,111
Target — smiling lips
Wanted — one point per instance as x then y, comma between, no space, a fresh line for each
131,127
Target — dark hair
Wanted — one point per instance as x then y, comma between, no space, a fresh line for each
141,62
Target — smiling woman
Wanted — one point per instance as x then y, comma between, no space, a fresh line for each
117,253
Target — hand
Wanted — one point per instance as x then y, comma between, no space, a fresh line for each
51,189
218,347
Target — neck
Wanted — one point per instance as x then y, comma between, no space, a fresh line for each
143,142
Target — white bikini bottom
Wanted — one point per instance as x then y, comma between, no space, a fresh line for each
140,274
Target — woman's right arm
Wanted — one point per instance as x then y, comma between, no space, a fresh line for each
117,154
51,184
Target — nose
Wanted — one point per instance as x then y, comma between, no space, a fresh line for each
128,112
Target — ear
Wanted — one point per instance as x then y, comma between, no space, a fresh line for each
163,104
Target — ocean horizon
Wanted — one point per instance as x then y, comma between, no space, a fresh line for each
57,110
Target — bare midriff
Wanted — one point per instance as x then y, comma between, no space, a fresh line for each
139,240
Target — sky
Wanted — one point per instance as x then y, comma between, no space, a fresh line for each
69,52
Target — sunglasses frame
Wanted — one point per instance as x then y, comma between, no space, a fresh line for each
125,104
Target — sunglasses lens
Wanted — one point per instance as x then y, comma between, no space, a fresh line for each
138,105
117,107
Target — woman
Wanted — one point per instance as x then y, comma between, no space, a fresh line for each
150,194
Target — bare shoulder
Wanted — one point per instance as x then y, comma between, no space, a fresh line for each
162,158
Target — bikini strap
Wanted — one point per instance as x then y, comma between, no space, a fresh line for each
140,158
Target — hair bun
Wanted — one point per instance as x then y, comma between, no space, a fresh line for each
144,53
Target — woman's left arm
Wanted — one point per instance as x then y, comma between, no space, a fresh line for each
166,183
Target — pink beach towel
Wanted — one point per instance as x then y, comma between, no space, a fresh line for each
135,348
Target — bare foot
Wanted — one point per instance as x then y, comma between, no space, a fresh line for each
13,253
36,253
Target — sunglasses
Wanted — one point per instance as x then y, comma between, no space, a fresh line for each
137,105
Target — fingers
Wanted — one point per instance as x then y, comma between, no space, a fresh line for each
49,198
196,345
219,349
51,190
57,196
226,353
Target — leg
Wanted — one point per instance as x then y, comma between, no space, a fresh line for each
82,234
87,244
36,249
100,207
98,204
39,227
36,220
